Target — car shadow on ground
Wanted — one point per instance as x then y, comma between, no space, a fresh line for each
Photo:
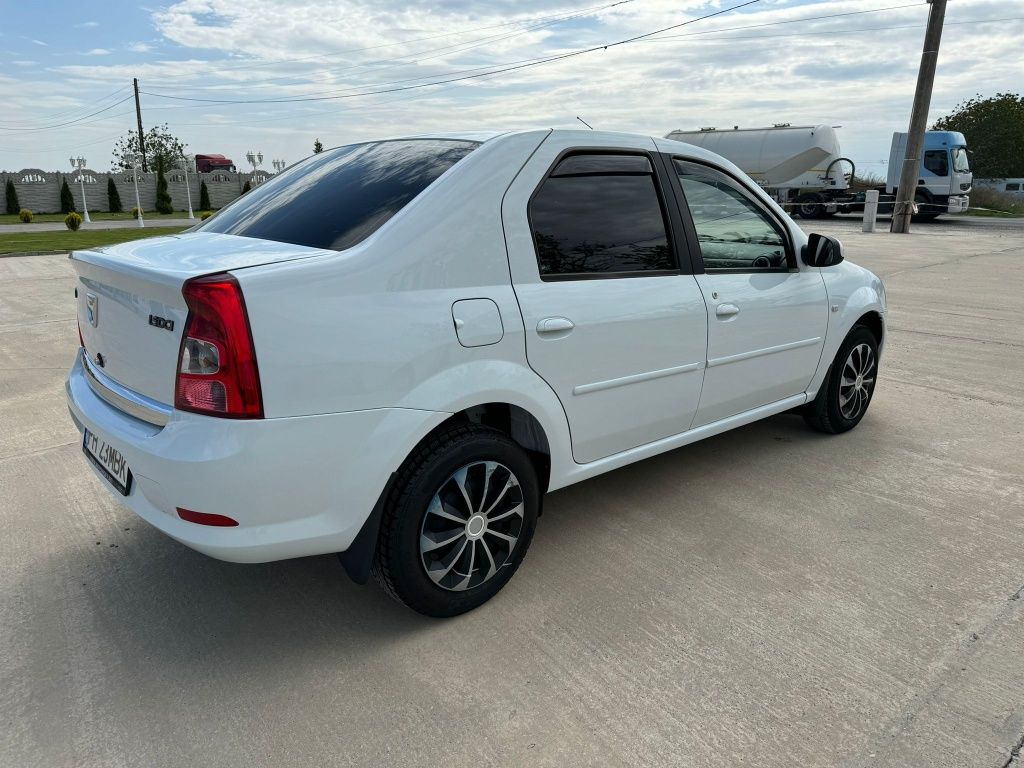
155,600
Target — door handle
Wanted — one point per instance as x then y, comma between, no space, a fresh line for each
727,310
555,325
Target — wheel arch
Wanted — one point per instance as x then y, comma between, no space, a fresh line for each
517,423
859,303
872,320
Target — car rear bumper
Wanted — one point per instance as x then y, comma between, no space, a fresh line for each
297,486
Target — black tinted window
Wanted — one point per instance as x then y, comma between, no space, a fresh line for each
339,197
600,214
936,161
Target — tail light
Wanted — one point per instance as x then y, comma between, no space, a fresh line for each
217,373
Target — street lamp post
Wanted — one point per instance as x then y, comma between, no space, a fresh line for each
136,169
78,163
255,160
186,159
279,165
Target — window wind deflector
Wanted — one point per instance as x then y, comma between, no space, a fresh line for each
585,165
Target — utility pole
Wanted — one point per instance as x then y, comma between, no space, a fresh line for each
138,115
918,119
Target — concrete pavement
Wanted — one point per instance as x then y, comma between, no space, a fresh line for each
769,597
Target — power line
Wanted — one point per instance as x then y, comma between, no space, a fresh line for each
803,18
359,90
69,122
559,14
675,39
385,102
526,65
414,58
78,108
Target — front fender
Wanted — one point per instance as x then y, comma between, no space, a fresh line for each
852,293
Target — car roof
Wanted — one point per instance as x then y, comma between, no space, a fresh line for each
581,134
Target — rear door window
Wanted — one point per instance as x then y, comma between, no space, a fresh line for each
339,197
600,215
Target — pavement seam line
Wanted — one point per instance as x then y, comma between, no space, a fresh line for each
1014,753
37,451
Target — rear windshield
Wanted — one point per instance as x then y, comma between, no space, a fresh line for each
339,197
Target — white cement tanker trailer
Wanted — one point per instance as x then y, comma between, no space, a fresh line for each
802,167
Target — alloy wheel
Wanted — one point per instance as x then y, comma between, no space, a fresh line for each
857,382
471,525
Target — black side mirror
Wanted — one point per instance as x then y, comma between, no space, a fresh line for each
822,251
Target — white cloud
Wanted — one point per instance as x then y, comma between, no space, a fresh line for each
23,63
98,52
87,24
39,42
856,70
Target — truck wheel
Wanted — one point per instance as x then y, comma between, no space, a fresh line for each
846,392
809,205
926,210
458,522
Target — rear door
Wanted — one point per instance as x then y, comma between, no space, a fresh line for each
614,323
767,311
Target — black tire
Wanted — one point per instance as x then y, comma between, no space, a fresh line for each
926,209
399,566
826,412
809,205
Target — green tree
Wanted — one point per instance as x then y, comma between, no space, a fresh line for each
13,207
67,201
994,129
317,147
113,196
247,187
161,144
163,197
204,197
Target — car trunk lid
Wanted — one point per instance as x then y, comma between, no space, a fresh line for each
130,307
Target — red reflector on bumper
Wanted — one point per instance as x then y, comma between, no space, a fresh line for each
205,518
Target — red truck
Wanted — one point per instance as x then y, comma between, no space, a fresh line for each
210,163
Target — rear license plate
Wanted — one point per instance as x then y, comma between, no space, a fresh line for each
109,460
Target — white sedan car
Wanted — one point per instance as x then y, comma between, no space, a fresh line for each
394,349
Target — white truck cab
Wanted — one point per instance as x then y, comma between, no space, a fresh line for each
944,180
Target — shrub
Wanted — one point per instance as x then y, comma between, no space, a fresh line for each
994,200
13,206
113,196
163,197
67,202
25,215
73,221
247,187
204,197
135,213
205,215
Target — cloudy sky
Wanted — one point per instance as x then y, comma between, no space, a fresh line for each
273,75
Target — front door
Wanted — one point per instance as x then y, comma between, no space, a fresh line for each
613,323
767,312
